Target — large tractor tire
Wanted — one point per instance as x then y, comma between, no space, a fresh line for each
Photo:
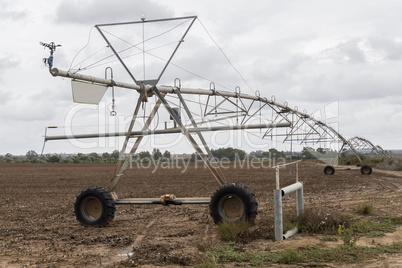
366,170
94,206
233,202
329,170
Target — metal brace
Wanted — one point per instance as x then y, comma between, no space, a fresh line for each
113,112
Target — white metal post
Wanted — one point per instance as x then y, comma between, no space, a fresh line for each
278,215
300,201
277,178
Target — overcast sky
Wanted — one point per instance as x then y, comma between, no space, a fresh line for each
306,53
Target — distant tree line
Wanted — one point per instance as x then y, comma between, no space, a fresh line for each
227,154
33,157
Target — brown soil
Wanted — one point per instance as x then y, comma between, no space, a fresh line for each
38,226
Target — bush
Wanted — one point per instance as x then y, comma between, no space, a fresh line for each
230,231
351,160
54,159
365,209
321,222
398,167
290,256
207,264
34,160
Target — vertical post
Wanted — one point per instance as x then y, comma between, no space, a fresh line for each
297,171
278,215
300,202
277,178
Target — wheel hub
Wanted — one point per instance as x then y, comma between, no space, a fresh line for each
366,170
91,208
233,208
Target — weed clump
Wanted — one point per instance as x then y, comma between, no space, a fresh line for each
321,222
234,231
365,209
207,264
290,256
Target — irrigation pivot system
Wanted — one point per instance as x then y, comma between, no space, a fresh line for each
193,112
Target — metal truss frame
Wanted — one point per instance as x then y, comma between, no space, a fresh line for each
361,144
217,108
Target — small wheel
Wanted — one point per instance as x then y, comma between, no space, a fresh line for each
329,170
94,206
233,202
366,170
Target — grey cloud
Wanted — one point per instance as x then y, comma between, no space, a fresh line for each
104,11
360,50
5,97
34,107
388,49
8,13
7,64
346,52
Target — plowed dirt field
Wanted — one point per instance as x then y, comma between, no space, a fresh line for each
38,226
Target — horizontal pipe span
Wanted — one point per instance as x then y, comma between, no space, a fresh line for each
155,201
166,131
347,168
287,164
169,89
291,188
88,78
290,233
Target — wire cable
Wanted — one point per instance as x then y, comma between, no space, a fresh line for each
226,57
89,39
125,41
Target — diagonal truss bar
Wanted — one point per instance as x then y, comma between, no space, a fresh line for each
280,111
130,129
177,47
154,82
190,138
116,54
221,177
121,168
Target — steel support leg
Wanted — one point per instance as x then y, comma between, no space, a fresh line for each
278,215
121,167
187,134
300,202
221,178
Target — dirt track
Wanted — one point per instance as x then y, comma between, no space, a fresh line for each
38,226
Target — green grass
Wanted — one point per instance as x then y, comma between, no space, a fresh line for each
233,231
333,224
314,255
392,219
328,239
365,209
207,264
373,229
320,222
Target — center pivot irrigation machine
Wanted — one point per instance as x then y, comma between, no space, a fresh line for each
203,110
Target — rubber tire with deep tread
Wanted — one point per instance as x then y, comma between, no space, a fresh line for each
236,196
94,206
366,170
329,170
